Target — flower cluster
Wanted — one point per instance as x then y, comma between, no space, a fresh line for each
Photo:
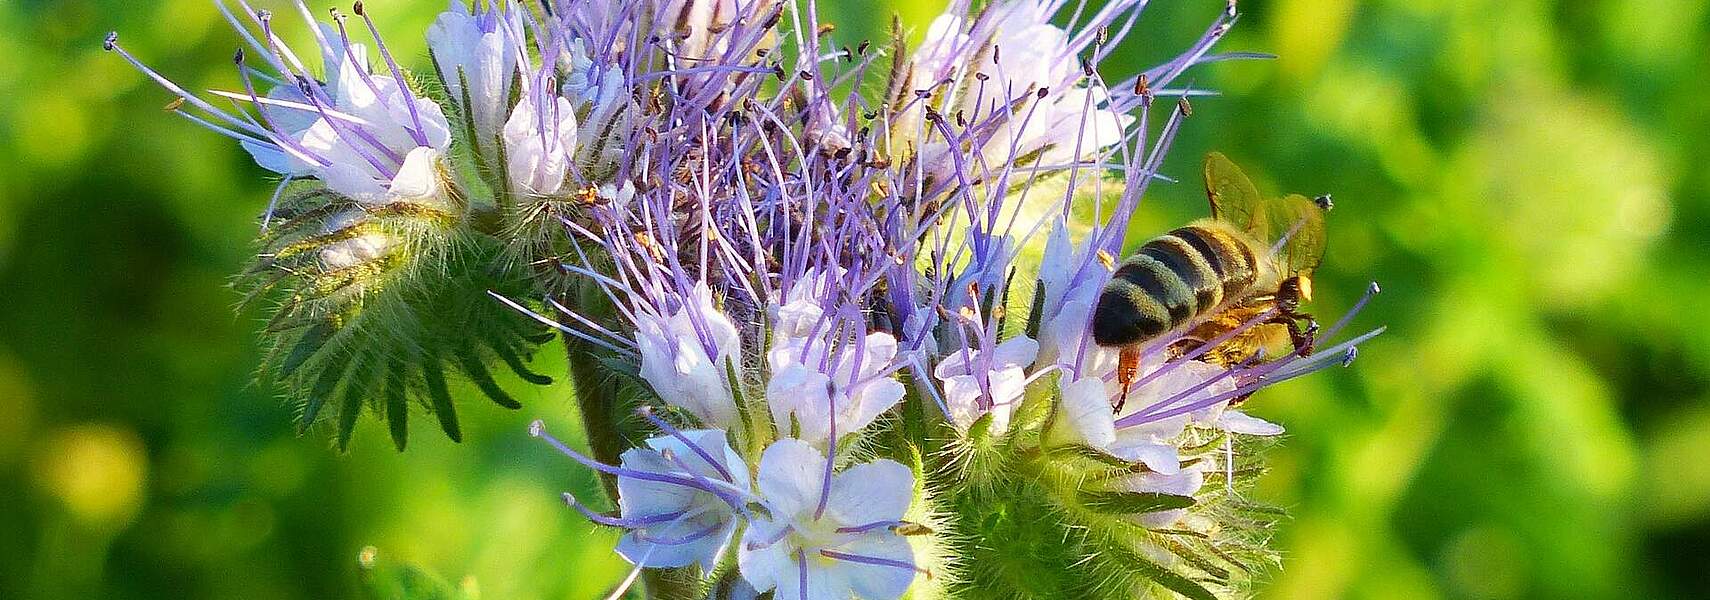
829,303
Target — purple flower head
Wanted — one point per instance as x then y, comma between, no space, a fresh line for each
479,54
810,253
365,134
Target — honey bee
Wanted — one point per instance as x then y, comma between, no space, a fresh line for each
1253,259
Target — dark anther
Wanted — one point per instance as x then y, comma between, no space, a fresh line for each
111,42
357,8
1086,66
238,58
1043,92
1324,202
862,48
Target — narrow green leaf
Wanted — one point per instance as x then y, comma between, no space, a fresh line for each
351,406
619,366
514,361
434,375
397,406
1172,580
477,373
324,386
469,124
1162,575
1132,503
305,347
1037,311
1084,452
1199,561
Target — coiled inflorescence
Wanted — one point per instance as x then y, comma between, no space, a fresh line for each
827,305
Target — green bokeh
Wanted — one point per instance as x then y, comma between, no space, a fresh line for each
1527,178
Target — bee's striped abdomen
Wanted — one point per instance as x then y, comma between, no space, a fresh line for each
1174,279
1231,258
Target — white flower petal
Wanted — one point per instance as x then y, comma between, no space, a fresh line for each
1160,457
419,177
1086,410
1235,421
797,394
677,545
641,497
711,442
1184,483
825,581
763,564
1017,351
791,475
869,493
271,158
873,400
877,582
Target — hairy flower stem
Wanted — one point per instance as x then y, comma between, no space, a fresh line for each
602,409
598,402
607,423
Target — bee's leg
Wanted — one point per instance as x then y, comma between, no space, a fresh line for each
1127,370
1289,296
1293,292
1303,339
1183,346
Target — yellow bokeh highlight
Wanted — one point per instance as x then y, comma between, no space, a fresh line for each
1305,33
1677,474
97,472
53,128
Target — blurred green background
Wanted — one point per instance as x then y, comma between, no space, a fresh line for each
1527,178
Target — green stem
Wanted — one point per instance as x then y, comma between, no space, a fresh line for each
598,402
606,423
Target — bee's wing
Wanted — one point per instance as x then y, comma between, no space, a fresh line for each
1233,198
1303,217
